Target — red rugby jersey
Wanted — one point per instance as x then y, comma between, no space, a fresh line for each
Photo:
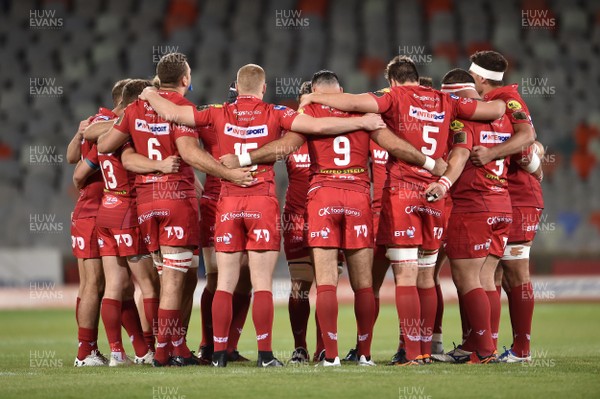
90,196
421,116
245,125
212,184
485,188
154,138
338,160
379,159
298,169
524,188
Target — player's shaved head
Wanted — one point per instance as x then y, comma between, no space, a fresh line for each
117,91
171,68
132,90
492,61
250,79
401,69
457,76
325,77
426,81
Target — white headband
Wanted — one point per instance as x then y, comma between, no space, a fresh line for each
454,87
486,73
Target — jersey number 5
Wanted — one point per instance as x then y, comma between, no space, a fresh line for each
427,130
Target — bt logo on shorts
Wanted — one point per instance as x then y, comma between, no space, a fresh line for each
262,234
485,245
410,232
124,238
176,231
321,233
225,238
77,241
361,229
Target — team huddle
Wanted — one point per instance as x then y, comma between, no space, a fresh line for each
407,177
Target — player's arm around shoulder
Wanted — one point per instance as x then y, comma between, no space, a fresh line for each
184,114
343,101
270,152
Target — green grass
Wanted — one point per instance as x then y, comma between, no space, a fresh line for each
566,347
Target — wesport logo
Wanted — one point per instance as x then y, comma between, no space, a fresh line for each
245,132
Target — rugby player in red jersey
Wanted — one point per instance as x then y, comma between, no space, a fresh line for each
85,244
243,291
410,226
487,68
248,218
121,245
166,204
294,246
479,222
339,214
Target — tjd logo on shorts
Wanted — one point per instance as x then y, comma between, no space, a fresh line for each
361,229
410,232
77,241
262,234
124,238
225,238
176,231
321,233
485,245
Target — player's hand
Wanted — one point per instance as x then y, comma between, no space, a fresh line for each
230,160
435,191
307,99
440,167
372,122
170,164
147,90
82,126
482,155
240,176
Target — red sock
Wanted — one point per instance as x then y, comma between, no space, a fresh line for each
130,318
239,312
262,316
495,309
86,337
376,309
151,313
206,301
439,312
466,327
111,317
221,319
299,310
521,311
409,315
77,310
320,343
163,331
327,312
364,311
478,310
177,333
428,301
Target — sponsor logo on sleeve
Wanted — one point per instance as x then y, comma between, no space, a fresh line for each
424,115
279,107
457,125
520,115
246,132
459,138
493,137
514,105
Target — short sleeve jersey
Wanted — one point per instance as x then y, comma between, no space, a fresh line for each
524,188
421,116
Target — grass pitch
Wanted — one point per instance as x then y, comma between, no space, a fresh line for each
37,350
